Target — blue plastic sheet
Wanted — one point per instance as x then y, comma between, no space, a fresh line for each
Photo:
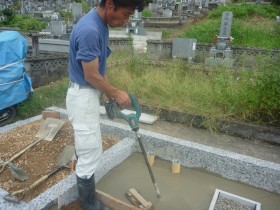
13,47
15,84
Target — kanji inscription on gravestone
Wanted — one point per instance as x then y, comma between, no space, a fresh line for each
226,24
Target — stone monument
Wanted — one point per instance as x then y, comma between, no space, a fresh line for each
221,53
136,24
184,48
77,12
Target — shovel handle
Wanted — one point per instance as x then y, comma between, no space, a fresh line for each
37,182
20,153
72,165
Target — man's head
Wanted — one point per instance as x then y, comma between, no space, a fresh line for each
117,12
134,4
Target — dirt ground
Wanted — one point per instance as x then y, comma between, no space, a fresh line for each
72,206
40,159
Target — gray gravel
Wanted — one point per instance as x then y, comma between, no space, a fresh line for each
228,204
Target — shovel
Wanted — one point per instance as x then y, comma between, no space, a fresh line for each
47,131
63,161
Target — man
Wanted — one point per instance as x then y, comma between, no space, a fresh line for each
87,72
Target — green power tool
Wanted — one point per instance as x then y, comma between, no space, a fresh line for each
113,111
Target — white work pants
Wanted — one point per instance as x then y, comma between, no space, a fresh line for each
83,112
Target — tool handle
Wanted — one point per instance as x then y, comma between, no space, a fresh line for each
135,105
25,149
113,111
72,165
20,153
132,119
147,163
37,182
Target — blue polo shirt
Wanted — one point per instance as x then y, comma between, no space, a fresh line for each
88,41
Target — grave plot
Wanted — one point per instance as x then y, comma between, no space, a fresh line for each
246,170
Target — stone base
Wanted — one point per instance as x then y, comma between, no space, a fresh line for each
227,62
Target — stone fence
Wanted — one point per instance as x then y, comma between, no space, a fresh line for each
46,68
244,56
164,21
51,66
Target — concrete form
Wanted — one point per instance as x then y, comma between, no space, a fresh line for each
222,194
233,166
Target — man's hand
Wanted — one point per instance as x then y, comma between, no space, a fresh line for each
122,98
93,77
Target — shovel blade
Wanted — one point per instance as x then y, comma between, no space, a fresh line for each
11,198
17,172
49,128
66,155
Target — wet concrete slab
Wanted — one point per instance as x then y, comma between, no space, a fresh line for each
191,189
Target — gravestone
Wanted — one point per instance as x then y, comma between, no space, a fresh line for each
153,6
136,24
184,48
259,1
226,24
58,27
167,13
221,53
77,12
51,4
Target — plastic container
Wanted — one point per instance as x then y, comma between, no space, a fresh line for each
176,166
151,158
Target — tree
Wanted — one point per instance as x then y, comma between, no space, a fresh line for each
26,23
8,14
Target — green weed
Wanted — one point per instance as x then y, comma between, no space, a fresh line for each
245,11
53,94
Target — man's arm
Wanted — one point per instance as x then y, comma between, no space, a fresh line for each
106,79
93,77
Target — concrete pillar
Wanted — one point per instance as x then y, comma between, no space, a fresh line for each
35,46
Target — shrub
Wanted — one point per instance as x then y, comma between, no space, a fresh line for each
245,11
264,93
146,13
26,23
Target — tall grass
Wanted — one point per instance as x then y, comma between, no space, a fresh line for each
252,25
257,34
245,11
51,95
215,92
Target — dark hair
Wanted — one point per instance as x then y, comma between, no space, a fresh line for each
135,4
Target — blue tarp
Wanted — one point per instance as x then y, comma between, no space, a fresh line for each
13,47
15,84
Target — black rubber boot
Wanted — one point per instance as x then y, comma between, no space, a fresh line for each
86,190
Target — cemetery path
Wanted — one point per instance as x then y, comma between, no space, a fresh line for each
250,147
